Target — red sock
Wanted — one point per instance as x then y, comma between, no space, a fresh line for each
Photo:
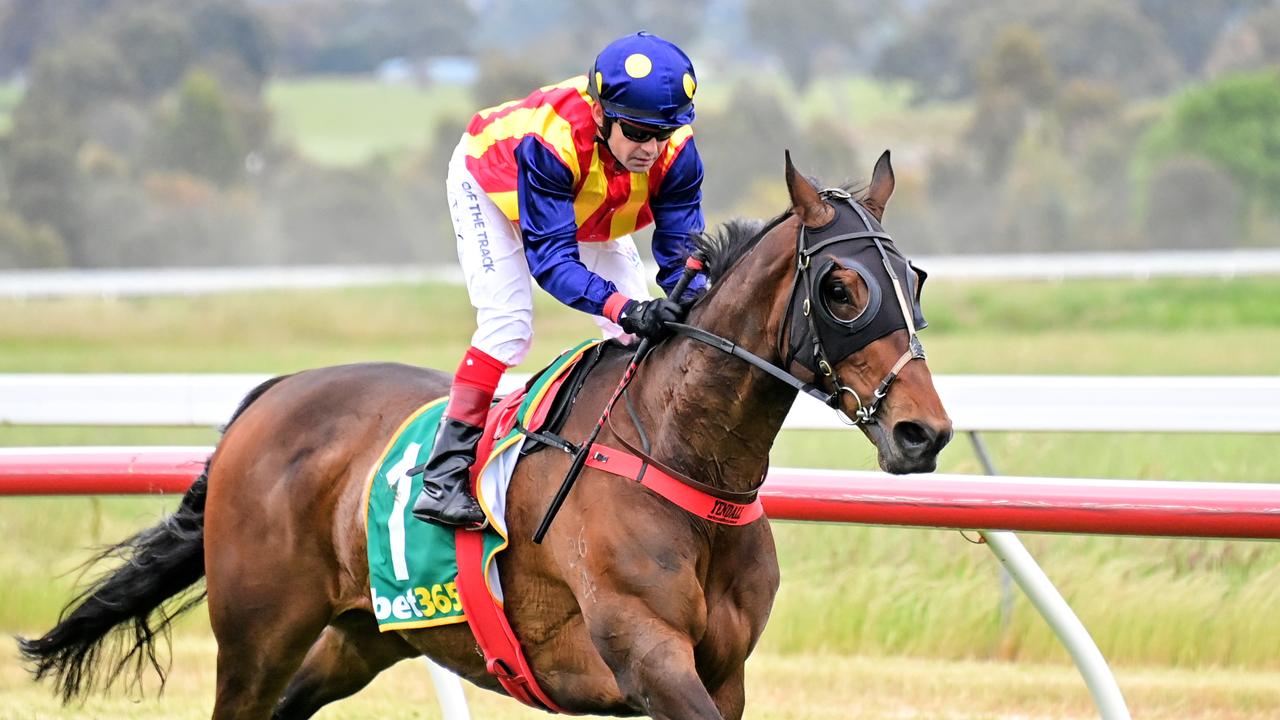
473,387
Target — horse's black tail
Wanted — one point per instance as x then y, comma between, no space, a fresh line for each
162,562
118,617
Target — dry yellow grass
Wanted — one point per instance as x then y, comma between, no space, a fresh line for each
779,687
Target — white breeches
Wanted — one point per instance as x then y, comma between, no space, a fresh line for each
498,281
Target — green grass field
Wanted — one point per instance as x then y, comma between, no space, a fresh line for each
865,614
340,121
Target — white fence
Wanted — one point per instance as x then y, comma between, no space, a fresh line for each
1249,404
1032,266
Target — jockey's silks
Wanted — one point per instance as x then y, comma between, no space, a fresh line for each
538,160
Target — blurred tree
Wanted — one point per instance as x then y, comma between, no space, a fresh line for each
422,182
1252,44
1018,64
1190,29
829,152
1233,123
172,219
934,52
23,245
799,33
201,136
158,44
507,77
1096,39
74,76
1037,212
680,21
352,36
1015,80
28,25
999,119
962,203
749,135
233,42
356,215
1191,204
563,36
43,176
1111,42
1084,106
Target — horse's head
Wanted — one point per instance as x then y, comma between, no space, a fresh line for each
852,316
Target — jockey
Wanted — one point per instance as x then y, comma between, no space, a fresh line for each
550,188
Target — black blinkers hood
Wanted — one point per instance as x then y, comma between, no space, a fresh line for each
854,240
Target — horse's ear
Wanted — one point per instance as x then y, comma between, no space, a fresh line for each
805,201
881,187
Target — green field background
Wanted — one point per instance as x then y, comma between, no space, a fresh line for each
850,594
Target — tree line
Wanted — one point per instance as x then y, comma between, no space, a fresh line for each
141,135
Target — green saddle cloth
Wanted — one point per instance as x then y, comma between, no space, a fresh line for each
413,565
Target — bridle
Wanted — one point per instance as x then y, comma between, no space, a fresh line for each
822,340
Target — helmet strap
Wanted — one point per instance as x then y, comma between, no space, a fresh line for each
602,137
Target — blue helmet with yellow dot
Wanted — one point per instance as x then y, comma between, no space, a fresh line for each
645,79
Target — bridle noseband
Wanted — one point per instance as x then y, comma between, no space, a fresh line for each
823,340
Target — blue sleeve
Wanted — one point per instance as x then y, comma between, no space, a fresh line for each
677,218
544,193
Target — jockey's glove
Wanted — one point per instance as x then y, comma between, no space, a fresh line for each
648,318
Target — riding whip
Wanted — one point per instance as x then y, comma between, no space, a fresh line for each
692,266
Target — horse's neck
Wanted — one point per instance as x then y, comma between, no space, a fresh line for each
713,415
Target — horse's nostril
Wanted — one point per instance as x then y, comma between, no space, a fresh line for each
913,438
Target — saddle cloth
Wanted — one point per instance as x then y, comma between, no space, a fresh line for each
413,565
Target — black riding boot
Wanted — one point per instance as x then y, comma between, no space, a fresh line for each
446,484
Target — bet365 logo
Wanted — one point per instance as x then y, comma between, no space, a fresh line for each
420,603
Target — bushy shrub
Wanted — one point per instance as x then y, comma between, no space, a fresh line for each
28,246
358,215
1230,123
1191,203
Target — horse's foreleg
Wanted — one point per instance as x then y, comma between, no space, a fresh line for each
731,696
348,655
654,667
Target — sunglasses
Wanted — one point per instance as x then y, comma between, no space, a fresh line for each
643,134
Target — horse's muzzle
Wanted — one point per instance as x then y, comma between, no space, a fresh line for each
915,446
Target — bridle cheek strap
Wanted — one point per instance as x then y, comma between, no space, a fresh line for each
914,351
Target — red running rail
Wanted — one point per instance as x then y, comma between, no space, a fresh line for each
100,471
1106,507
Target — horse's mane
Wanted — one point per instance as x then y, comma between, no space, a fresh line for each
729,241
732,239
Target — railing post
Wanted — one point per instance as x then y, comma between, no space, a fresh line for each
453,704
1055,610
1017,563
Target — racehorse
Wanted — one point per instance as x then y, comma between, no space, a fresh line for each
631,606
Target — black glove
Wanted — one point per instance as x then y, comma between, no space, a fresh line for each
648,318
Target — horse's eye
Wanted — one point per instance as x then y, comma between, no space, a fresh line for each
836,292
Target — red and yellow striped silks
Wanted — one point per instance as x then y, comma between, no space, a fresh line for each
609,202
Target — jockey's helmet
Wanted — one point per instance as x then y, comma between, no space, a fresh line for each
645,79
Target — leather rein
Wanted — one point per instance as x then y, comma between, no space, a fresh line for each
805,251
802,282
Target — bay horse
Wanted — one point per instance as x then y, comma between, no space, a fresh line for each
631,606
